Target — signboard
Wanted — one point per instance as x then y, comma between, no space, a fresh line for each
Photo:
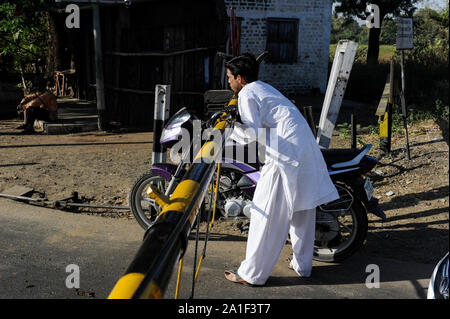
405,34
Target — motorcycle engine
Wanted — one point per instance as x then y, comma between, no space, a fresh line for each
233,203
237,206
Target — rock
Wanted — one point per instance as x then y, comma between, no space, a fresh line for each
390,193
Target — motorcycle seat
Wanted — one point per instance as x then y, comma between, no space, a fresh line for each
344,157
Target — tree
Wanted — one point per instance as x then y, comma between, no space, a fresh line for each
352,8
388,33
23,35
430,37
346,28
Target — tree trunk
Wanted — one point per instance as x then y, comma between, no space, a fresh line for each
53,60
24,83
373,49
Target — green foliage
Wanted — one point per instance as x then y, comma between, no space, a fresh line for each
347,28
352,8
442,111
430,38
426,68
388,32
22,35
439,113
344,130
386,52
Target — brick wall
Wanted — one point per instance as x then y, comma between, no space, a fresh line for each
314,20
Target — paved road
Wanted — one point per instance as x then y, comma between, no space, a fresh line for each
37,244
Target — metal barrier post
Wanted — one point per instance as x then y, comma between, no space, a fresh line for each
166,240
385,110
162,110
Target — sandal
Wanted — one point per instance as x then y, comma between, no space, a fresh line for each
231,275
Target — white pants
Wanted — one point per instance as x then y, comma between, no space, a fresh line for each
269,227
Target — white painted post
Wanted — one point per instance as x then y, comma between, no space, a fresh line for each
162,110
337,83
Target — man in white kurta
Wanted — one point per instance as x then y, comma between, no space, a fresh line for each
294,179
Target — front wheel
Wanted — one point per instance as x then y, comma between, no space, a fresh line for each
340,229
145,209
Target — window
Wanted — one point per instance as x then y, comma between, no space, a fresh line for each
281,42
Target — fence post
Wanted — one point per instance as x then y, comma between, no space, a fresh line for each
353,127
307,111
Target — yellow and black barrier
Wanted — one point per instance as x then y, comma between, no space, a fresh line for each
166,240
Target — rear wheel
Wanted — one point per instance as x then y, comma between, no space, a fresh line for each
340,232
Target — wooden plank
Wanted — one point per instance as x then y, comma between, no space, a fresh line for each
384,98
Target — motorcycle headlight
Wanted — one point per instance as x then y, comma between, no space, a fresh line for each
172,129
181,117
171,134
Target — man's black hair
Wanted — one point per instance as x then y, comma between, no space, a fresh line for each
244,65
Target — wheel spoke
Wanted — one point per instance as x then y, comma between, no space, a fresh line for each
345,227
144,208
149,200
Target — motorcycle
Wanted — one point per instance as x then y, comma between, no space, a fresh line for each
341,225
438,285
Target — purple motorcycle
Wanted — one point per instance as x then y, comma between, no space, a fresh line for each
341,225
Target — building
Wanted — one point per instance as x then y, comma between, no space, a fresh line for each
141,43
295,32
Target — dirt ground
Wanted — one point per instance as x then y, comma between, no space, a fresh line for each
102,166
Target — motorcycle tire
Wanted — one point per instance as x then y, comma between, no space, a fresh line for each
144,209
337,251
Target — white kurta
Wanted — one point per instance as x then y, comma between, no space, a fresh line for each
294,178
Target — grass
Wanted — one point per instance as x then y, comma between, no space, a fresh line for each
386,52
427,89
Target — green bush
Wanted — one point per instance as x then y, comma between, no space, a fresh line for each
426,69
